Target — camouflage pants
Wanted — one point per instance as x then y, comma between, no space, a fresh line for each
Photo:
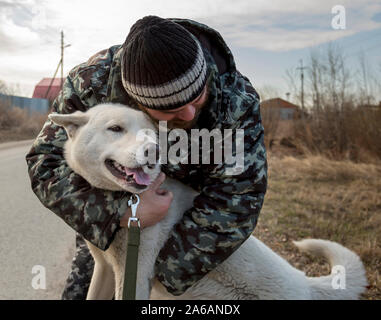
82,267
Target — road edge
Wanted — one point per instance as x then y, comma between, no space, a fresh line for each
15,144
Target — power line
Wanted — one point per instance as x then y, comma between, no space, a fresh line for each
356,42
364,50
51,81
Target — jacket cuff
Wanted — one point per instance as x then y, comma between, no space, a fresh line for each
111,228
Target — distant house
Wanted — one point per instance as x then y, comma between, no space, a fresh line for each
287,110
47,88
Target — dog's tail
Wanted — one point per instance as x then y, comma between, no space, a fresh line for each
347,279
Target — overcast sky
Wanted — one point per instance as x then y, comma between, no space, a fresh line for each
266,37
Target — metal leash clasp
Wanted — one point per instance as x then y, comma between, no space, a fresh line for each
134,206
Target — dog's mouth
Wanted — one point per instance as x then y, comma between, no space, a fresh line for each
133,176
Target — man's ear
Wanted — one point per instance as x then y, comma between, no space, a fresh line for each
71,122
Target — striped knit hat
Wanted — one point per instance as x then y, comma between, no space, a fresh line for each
163,66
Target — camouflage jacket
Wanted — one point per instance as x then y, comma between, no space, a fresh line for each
226,211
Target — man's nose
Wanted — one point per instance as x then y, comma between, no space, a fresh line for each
187,114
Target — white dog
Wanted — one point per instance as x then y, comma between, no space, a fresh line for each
102,148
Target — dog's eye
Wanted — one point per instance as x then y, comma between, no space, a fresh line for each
115,128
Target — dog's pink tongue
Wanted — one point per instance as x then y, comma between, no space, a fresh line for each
139,175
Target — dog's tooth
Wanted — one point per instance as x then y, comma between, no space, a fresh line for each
117,166
121,168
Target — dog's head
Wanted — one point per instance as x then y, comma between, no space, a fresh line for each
112,146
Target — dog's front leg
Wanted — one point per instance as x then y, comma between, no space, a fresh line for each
146,265
144,278
143,289
102,281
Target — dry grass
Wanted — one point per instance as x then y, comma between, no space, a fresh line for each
315,197
310,197
270,122
351,133
18,124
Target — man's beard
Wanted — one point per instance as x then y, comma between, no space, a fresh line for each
179,124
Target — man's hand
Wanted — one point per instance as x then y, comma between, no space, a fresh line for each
153,206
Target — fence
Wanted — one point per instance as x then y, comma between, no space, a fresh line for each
30,104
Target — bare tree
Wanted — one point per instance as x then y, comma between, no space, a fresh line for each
10,89
368,82
327,79
336,125
292,79
268,92
3,87
315,77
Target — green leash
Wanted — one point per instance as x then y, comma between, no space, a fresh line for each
131,269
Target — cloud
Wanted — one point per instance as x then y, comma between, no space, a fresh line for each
30,29
281,26
13,35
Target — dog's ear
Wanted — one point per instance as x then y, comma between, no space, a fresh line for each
71,122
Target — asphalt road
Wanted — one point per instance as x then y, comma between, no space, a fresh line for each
32,239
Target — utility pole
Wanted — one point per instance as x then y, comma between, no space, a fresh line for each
63,46
60,64
301,68
62,57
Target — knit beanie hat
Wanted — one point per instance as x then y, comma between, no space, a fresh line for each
163,66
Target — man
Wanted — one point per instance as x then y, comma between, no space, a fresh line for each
180,71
